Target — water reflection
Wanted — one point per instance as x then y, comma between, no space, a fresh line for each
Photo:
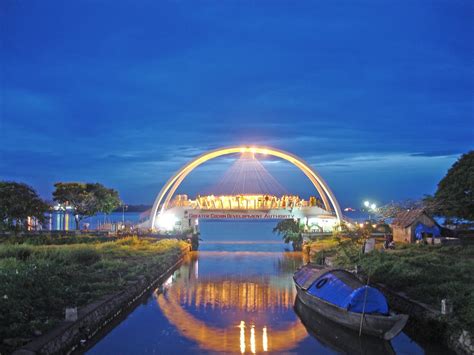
252,293
339,338
236,313
237,298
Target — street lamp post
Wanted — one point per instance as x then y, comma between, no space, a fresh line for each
124,207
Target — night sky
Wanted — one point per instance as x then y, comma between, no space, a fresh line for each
376,95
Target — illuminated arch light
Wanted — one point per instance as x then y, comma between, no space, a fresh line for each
305,168
174,182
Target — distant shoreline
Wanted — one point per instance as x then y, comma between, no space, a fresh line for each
133,208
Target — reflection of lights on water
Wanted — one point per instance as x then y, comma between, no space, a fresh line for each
196,269
229,338
253,343
244,295
252,339
168,282
265,339
242,336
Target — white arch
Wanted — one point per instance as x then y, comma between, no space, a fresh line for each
173,183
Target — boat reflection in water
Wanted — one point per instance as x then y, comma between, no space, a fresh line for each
338,338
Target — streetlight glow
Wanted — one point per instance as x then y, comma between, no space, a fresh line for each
366,203
167,221
373,206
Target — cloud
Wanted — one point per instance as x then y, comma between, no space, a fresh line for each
352,89
438,153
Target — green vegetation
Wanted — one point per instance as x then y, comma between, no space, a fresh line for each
37,282
429,274
454,197
53,239
425,273
290,230
17,203
86,199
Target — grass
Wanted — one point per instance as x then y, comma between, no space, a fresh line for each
425,273
48,239
37,282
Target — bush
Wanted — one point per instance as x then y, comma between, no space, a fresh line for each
429,274
54,239
20,252
84,256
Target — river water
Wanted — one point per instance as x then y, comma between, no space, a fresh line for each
236,295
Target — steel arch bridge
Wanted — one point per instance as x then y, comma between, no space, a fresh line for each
162,201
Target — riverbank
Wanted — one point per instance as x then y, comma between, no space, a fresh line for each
38,282
426,274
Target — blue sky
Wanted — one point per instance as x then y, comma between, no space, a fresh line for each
376,95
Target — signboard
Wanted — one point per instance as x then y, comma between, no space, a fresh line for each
369,245
239,215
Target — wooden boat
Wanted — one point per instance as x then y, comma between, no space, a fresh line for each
341,297
339,338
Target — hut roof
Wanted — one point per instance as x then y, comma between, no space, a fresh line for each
406,218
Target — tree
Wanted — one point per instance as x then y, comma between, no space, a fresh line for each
86,199
107,199
346,230
454,197
291,232
19,201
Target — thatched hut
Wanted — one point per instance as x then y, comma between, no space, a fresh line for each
409,226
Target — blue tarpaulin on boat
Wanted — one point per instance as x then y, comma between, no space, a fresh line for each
334,290
329,288
375,301
421,228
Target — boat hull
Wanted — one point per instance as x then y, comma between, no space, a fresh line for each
339,338
385,327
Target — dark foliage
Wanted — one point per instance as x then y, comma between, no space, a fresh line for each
18,202
86,199
455,194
